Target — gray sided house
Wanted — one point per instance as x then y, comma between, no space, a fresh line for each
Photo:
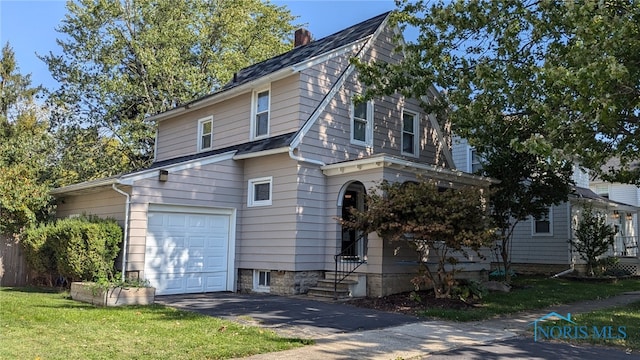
544,245
248,182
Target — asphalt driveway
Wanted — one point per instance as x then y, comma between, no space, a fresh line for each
293,315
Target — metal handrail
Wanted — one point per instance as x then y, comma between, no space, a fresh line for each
346,263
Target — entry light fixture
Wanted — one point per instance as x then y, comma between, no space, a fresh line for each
616,214
163,176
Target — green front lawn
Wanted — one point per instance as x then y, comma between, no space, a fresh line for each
44,324
624,323
535,293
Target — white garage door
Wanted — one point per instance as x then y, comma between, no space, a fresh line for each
188,252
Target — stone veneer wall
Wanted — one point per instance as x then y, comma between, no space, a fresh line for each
282,282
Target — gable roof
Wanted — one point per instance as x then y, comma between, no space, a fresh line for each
283,62
306,52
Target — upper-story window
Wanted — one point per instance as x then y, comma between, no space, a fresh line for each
475,161
543,225
410,137
205,133
362,123
260,113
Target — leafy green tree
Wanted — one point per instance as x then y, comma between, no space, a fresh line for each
573,67
25,150
593,237
437,223
123,60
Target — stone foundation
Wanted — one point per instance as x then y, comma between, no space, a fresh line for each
282,282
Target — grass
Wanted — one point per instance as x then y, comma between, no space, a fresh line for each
535,293
44,324
627,317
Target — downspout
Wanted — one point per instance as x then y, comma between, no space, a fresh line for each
126,229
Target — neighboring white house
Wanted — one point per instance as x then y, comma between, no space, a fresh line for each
543,245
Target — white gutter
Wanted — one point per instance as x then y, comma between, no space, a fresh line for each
261,153
303,159
125,239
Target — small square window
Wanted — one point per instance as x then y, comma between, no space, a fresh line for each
542,225
205,133
259,192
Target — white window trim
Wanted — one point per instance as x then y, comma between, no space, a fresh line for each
416,133
470,165
256,281
254,112
251,188
200,125
533,225
368,129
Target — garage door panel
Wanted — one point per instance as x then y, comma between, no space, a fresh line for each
187,253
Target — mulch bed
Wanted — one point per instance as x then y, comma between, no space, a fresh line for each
405,303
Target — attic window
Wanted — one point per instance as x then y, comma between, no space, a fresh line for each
409,131
260,122
205,133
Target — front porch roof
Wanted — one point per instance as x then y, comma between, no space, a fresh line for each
584,194
388,161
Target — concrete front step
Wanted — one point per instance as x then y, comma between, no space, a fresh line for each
326,292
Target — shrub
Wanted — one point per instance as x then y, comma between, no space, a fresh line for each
77,249
593,238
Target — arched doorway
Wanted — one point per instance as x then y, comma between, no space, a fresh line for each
354,243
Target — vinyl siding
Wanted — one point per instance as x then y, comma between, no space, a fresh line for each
213,186
269,230
231,121
106,203
329,138
543,249
460,152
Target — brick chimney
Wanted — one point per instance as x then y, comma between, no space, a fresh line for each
301,37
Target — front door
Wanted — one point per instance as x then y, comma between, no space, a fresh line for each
352,248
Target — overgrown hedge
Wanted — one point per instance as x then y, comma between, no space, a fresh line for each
78,249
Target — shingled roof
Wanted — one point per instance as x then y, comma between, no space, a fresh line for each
306,52
295,56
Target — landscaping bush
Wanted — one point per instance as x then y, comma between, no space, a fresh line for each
594,237
77,249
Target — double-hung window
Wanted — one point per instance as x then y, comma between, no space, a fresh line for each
260,117
260,191
362,123
543,225
205,133
410,137
475,161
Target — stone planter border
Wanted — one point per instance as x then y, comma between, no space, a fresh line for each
113,296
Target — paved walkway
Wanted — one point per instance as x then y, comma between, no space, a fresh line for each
417,340
390,336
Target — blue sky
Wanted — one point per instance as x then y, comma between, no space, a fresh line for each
29,25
